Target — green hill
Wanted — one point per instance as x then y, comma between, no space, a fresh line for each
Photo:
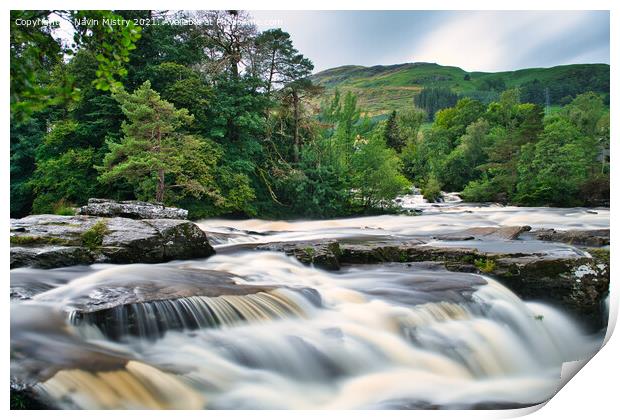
381,89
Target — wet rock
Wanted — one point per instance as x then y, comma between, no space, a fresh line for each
139,283
576,282
596,237
130,209
147,301
502,232
48,241
324,255
394,251
50,256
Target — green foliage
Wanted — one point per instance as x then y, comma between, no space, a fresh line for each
111,44
92,238
67,176
155,155
486,265
433,99
63,208
432,189
381,89
38,79
376,172
226,120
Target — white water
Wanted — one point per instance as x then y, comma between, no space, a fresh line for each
437,218
386,336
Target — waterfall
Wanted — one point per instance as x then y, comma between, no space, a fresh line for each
150,320
250,329
482,346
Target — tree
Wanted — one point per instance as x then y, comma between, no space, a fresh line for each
276,61
461,165
409,121
392,134
229,37
376,171
154,155
35,53
433,99
553,170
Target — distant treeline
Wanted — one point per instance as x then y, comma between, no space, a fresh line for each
557,90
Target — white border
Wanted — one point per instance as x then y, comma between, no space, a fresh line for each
592,394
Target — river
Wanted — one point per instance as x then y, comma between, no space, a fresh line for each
390,336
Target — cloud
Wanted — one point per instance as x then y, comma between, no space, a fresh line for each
493,41
473,40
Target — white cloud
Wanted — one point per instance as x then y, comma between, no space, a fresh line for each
493,41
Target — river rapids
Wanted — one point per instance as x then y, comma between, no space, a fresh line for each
249,329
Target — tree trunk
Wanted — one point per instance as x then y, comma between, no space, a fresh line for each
296,127
271,71
161,186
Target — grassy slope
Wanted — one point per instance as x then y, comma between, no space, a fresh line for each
381,89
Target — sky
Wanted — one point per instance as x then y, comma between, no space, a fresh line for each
472,40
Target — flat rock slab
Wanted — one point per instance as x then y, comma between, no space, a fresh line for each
594,237
140,283
49,241
502,232
130,209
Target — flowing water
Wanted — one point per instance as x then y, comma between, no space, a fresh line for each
250,329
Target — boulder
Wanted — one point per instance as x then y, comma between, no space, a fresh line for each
320,254
595,237
49,241
130,209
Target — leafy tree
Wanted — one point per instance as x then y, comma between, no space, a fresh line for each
65,178
553,170
409,121
35,53
461,165
456,119
376,171
431,190
155,155
26,136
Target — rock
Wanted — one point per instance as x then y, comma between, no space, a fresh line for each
595,237
378,252
50,256
49,241
130,209
578,283
320,254
147,300
139,283
502,232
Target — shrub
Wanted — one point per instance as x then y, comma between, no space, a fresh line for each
432,190
63,208
486,265
93,237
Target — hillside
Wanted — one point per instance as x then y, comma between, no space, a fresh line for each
381,89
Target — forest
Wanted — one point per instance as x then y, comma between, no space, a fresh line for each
222,119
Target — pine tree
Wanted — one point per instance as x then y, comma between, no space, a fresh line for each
393,137
154,155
